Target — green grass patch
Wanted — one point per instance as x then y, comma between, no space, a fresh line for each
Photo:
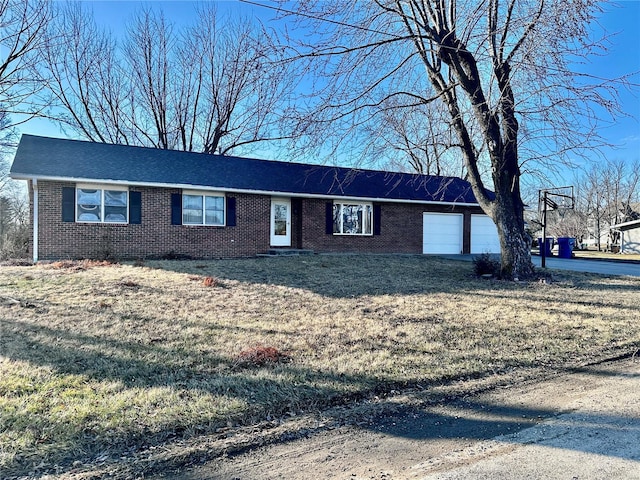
100,362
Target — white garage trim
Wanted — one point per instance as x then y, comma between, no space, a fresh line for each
442,233
484,235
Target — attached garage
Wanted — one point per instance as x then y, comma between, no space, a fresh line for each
484,235
442,233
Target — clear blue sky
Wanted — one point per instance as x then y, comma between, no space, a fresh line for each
623,58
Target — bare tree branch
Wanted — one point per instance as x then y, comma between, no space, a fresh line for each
22,26
502,71
215,86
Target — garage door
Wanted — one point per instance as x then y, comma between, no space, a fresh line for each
441,233
484,235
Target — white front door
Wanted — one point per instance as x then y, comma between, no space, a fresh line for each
280,222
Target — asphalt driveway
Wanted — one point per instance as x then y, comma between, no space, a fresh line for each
602,267
591,266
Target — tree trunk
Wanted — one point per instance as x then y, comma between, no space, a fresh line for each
515,244
508,209
500,134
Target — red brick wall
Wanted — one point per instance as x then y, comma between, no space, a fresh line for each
401,229
155,236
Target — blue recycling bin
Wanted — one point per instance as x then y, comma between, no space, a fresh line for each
566,246
548,246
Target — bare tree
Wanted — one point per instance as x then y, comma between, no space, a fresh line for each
22,26
567,223
501,70
82,77
608,193
7,133
14,214
213,87
12,193
14,224
402,136
590,203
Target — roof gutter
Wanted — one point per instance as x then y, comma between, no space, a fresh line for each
626,225
19,176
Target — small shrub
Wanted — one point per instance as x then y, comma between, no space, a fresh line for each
260,356
67,265
212,282
78,265
129,284
16,262
486,264
14,244
88,263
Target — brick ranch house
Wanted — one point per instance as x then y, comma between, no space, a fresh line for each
96,200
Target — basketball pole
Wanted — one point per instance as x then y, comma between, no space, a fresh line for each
543,247
564,197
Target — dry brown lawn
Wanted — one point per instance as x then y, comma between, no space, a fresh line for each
100,362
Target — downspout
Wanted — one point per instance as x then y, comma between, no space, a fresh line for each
34,185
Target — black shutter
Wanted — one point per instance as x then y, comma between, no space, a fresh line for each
377,215
296,206
231,211
68,204
329,219
176,209
135,208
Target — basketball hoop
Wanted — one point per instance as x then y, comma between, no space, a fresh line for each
560,198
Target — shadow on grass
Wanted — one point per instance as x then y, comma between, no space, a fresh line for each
354,275
61,439
285,387
339,276
145,366
592,298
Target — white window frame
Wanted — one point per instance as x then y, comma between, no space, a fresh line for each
200,193
102,189
365,205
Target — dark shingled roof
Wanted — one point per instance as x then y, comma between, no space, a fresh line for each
61,159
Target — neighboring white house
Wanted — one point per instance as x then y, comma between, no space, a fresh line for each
629,236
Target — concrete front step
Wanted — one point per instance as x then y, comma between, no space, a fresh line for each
274,252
